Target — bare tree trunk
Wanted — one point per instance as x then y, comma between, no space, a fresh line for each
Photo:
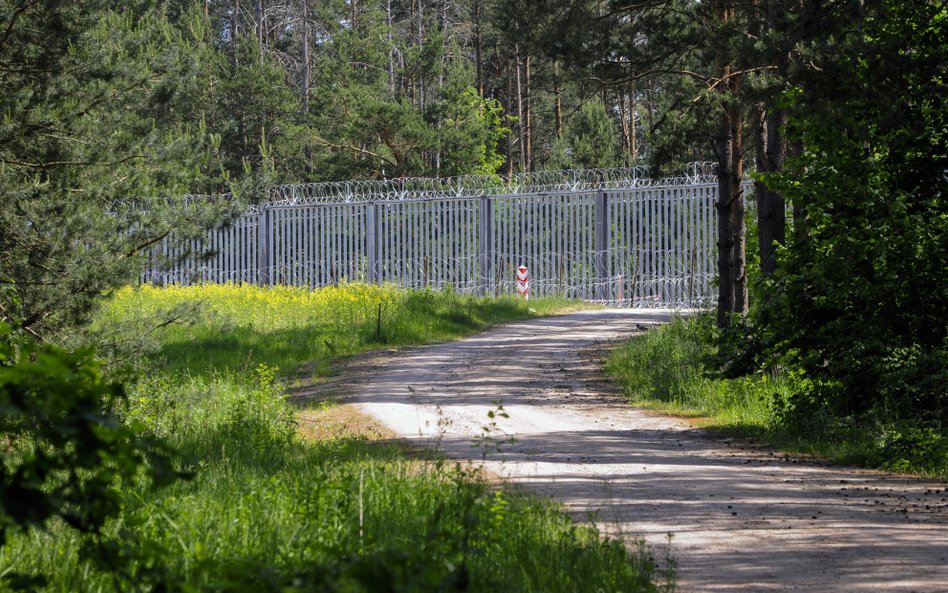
389,20
529,143
510,164
557,103
771,152
306,57
478,59
419,41
258,15
633,138
771,207
520,122
234,21
444,57
732,276
624,121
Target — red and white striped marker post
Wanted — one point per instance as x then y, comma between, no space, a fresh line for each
523,282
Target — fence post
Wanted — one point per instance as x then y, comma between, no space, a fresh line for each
601,247
485,231
372,243
263,246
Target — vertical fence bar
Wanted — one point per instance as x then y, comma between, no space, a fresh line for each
601,246
263,247
372,242
485,232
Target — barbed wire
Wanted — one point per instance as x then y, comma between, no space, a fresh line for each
413,188
421,188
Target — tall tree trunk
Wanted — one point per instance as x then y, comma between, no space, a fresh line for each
389,21
633,139
520,123
478,59
732,276
420,41
234,21
624,123
558,101
307,81
771,149
306,57
732,289
258,16
528,147
771,207
510,160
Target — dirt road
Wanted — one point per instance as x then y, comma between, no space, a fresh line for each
742,519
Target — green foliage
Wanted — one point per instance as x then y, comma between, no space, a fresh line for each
667,368
66,454
256,116
469,127
674,368
861,299
91,137
589,141
268,510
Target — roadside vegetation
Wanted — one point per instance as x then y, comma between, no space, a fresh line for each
676,368
834,338
263,509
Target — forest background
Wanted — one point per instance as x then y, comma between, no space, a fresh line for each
112,112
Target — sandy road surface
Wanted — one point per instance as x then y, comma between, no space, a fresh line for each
743,519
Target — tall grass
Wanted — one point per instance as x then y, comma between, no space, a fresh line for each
666,369
270,511
236,327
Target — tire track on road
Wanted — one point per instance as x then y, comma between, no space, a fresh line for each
741,518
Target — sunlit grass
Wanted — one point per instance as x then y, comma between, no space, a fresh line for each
268,510
237,327
666,370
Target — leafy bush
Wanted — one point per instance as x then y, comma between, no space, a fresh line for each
860,299
675,368
669,365
65,452
268,510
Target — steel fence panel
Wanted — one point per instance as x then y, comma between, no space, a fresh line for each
643,245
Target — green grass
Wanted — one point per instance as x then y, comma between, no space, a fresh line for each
270,511
665,370
239,327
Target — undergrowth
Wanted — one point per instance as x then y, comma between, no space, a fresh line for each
669,369
267,510
217,327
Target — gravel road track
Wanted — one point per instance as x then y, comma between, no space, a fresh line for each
742,518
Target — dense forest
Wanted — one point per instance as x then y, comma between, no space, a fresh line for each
834,276
328,90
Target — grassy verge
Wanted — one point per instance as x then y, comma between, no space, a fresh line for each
270,511
234,328
665,370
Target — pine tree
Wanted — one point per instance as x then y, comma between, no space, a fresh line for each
93,137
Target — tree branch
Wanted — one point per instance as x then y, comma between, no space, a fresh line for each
13,19
328,144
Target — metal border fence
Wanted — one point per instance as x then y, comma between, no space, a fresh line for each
649,244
